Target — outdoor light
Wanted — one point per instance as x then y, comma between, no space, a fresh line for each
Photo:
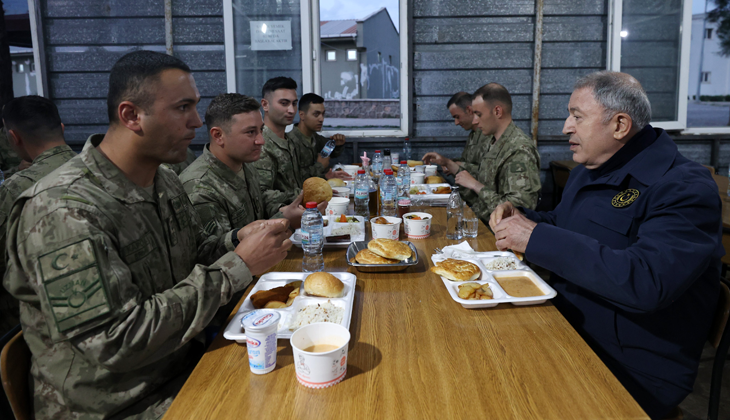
263,29
624,34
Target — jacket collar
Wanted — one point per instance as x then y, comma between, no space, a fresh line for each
52,152
270,136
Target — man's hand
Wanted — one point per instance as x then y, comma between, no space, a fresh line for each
514,233
502,211
339,139
322,207
265,245
464,178
293,212
324,161
433,158
338,174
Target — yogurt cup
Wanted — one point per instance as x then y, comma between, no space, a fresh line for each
417,229
387,231
261,326
337,206
431,170
341,192
351,170
322,369
417,178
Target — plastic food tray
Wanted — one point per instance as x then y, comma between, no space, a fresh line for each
356,247
430,197
234,331
296,238
482,260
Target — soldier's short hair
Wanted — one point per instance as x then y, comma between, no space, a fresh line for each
223,107
34,116
460,99
276,83
133,76
618,92
494,92
307,99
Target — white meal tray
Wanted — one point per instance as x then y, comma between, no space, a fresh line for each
482,259
296,238
234,331
430,197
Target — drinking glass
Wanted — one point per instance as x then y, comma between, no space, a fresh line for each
470,223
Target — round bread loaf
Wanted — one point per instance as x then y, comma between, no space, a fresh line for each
434,179
317,190
388,248
323,285
336,182
367,256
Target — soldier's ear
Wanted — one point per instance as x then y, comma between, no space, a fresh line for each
216,135
498,111
265,104
15,138
129,116
622,125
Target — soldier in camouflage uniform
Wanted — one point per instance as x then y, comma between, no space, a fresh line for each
10,162
103,256
35,130
510,165
309,143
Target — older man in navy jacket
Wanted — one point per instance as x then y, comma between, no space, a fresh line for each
634,246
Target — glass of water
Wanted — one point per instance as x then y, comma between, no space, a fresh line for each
470,223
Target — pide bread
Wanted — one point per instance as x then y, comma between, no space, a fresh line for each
323,285
413,163
388,248
317,190
336,182
367,256
457,270
434,179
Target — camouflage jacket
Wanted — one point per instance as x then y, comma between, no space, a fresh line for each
223,199
11,189
471,157
280,175
308,149
110,292
510,171
179,167
9,160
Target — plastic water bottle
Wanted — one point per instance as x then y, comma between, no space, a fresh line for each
362,194
404,180
387,161
388,194
406,149
328,148
312,239
454,215
377,165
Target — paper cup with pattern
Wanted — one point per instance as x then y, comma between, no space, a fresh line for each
417,178
431,170
320,354
337,206
390,230
415,228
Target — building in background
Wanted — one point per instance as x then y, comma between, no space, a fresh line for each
17,25
709,77
24,82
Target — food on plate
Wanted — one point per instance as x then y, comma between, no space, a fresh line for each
367,256
501,263
434,179
318,312
325,222
519,255
323,284
275,304
415,217
457,270
284,295
382,221
346,219
348,229
413,163
475,291
317,190
442,190
416,190
336,182
519,286
338,238
388,248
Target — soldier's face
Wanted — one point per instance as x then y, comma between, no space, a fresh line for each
462,118
244,139
281,106
313,118
484,116
591,141
169,125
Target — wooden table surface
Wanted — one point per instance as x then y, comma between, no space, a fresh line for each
415,353
722,186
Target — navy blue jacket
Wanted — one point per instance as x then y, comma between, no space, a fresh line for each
640,283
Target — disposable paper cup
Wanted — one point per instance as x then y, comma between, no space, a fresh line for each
394,158
417,178
320,370
341,192
417,229
351,169
261,326
337,206
389,231
431,170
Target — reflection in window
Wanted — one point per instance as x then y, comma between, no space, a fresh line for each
331,55
351,55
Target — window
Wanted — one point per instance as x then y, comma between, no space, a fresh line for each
331,55
351,55
705,77
708,33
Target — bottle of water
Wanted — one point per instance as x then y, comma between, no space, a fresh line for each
362,194
312,239
377,165
387,161
404,180
406,149
328,148
454,215
388,194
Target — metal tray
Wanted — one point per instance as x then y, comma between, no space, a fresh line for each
358,246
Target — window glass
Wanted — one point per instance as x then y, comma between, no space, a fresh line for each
331,55
351,55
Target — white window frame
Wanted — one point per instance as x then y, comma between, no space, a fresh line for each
613,61
327,57
311,74
36,35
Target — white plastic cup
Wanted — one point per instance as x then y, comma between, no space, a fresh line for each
320,370
387,231
417,178
431,170
394,158
351,170
337,206
417,229
341,192
261,326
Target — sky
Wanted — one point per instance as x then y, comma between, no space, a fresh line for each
356,9
698,6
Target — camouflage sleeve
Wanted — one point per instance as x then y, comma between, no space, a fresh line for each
519,183
273,198
469,167
213,216
86,294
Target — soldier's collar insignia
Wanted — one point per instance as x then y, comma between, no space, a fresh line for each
624,198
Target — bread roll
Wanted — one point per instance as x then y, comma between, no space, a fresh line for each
434,179
367,256
388,248
336,182
317,190
457,270
413,163
323,285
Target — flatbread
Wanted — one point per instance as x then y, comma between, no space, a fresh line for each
367,256
388,248
457,270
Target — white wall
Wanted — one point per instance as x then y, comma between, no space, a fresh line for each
717,65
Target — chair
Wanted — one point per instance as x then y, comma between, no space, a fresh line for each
710,168
560,178
14,369
719,339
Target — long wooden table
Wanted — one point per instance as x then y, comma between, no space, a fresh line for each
415,353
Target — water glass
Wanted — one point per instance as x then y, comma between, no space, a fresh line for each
470,223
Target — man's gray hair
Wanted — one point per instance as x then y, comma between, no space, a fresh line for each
618,92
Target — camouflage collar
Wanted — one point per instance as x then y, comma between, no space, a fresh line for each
271,137
52,152
221,170
507,136
112,180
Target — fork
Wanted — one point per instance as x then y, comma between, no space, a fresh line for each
438,250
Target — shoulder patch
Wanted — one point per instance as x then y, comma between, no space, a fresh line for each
517,167
74,287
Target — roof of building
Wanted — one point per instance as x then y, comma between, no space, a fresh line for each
338,28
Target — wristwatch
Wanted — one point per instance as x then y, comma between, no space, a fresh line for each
234,238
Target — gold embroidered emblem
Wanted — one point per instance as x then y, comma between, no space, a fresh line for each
624,198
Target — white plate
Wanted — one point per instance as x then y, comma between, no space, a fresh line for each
296,238
234,331
430,196
488,276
